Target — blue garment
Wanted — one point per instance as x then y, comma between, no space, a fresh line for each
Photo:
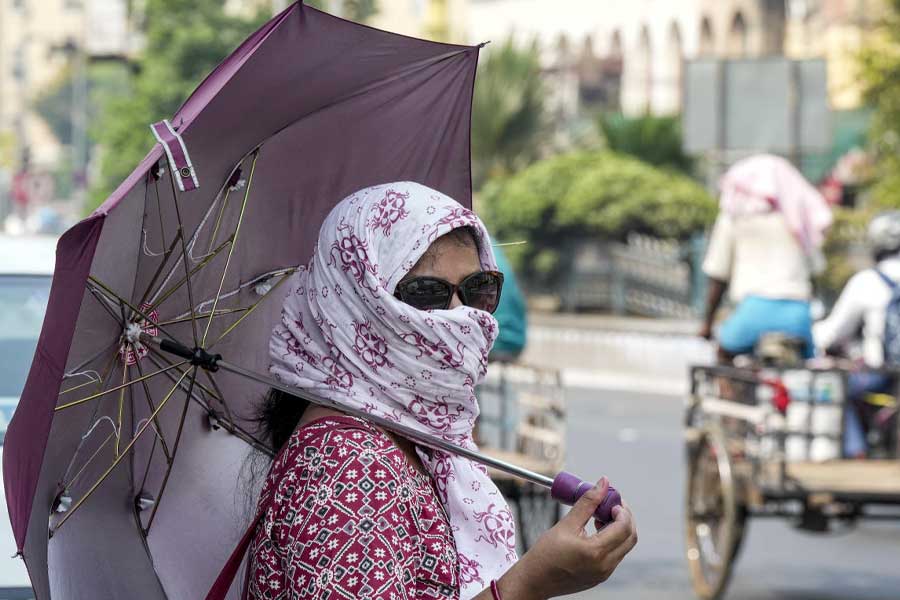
510,314
755,316
858,386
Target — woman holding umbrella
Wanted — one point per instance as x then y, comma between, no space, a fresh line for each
392,315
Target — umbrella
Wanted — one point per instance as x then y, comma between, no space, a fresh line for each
126,464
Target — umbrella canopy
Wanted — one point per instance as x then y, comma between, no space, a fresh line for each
138,459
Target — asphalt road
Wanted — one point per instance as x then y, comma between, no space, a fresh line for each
635,439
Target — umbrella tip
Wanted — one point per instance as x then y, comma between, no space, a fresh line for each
483,44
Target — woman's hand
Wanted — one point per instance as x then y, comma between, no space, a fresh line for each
567,559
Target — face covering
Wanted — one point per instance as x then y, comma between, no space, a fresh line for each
344,336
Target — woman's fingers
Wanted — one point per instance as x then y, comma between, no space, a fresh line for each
618,531
583,510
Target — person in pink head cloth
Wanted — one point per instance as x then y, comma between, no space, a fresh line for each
764,248
393,315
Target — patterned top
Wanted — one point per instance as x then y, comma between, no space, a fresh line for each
352,518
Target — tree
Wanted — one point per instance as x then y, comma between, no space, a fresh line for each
184,42
507,111
880,73
654,140
560,200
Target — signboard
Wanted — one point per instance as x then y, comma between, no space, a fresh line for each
766,104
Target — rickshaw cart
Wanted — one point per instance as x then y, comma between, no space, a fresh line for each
767,443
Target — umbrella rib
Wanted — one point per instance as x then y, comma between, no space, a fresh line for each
121,406
162,356
104,302
118,387
252,307
232,428
86,363
162,228
171,463
150,405
184,252
220,313
221,396
159,269
206,260
100,383
105,288
234,237
118,458
215,233
77,475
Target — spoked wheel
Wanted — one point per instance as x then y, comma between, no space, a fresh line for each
714,522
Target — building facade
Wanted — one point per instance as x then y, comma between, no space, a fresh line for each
629,55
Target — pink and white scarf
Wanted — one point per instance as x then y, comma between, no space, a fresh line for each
765,182
344,336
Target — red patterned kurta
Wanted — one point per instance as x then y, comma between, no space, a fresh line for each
352,519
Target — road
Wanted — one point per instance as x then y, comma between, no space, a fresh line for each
635,439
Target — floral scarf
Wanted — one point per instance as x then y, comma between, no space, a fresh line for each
344,336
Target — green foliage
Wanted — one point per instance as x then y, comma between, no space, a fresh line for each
507,111
105,80
848,229
560,200
654,140
360,10
880,72
185,41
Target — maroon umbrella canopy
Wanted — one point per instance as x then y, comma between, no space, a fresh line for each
138,459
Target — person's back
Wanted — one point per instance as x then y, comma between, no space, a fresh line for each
763,248
758,255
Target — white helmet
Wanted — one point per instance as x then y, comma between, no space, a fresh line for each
883,233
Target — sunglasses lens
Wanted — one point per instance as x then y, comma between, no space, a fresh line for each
482,291
425,293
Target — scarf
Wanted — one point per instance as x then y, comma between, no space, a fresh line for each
764,183
344,336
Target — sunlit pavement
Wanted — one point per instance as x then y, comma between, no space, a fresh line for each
635,439
613,353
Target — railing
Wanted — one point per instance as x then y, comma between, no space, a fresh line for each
645,276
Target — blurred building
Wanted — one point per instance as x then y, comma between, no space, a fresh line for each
835,30
628,55
39,41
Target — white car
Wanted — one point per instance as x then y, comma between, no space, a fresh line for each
26,268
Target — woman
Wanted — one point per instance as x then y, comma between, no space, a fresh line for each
392,315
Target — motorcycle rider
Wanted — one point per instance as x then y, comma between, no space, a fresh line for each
864,303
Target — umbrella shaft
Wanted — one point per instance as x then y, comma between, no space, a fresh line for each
408,432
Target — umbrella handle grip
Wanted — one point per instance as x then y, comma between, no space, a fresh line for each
568,488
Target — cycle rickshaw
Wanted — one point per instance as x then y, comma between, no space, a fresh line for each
766,442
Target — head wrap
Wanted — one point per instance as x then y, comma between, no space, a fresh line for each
763,183
344,336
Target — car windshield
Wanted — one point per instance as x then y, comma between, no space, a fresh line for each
23,300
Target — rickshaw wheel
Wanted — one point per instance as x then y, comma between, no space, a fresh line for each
714,522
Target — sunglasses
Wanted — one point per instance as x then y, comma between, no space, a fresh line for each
479,290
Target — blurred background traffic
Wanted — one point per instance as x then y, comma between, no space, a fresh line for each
599,132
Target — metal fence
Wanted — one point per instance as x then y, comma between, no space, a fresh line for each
644,276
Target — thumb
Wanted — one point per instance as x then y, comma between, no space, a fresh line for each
583,510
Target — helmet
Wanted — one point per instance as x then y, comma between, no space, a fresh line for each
883,233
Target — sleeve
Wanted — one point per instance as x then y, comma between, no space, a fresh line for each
339,528
846,316
720,251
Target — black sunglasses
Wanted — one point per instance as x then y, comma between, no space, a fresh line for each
479,290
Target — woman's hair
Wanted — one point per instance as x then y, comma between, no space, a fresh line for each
279,413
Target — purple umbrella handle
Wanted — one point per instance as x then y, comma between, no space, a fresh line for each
568,488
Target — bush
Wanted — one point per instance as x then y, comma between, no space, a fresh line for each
561,200
655,140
